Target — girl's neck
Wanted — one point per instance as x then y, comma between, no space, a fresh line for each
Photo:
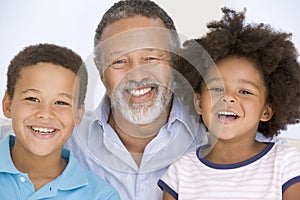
227,152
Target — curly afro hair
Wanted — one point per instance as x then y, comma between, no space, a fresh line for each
272,53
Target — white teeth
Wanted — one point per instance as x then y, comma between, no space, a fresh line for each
139,92
43,130
227,113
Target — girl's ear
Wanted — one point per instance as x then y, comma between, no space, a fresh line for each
267,113
197,103
79,114
6,106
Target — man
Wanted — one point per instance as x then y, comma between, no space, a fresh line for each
140,126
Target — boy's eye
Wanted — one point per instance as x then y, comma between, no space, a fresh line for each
63,103
33,99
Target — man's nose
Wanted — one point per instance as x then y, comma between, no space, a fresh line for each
138,71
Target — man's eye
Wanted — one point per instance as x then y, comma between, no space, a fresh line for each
151,58
119,63
32,99
63,103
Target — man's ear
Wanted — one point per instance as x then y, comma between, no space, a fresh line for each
267,114
197,103
79,114
6,105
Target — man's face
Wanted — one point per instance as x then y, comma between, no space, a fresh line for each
136,68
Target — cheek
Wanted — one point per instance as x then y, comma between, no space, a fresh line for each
164,76
67,117
111,81
21,111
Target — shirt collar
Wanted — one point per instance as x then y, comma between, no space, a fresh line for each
177,113
6,163
65,181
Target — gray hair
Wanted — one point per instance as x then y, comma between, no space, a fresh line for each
130,8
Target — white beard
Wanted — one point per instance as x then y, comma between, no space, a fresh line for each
141,113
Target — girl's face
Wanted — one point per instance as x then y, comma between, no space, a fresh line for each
233,99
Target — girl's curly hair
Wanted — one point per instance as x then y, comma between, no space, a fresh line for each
272,52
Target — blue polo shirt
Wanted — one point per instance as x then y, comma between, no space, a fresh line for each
74,183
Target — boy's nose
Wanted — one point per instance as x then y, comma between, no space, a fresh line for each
45,112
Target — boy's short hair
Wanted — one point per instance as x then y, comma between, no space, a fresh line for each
271,52
48,53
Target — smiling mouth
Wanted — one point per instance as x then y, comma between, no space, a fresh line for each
140,91
226,116
43,131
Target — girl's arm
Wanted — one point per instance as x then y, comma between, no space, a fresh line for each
167,196
292,192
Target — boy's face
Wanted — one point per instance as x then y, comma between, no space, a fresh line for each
233,100
44,108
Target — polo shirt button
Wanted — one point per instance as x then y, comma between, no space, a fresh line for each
22,179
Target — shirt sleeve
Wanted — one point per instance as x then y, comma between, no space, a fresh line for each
291,167
170,180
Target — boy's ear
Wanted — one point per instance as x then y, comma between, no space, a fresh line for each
79,114
6,105
267,113
197,103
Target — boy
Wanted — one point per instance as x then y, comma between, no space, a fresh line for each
255,87
46,87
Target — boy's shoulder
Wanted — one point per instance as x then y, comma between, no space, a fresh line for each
75,176
5,128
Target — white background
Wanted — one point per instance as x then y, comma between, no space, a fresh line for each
72,23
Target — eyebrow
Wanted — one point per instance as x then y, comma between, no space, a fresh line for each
30,90
116,53
241,81
122,52
249,82
69,96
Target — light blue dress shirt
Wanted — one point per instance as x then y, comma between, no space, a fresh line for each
74,183
98,147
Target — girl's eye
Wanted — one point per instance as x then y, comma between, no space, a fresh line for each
245,92
63,103
32,99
